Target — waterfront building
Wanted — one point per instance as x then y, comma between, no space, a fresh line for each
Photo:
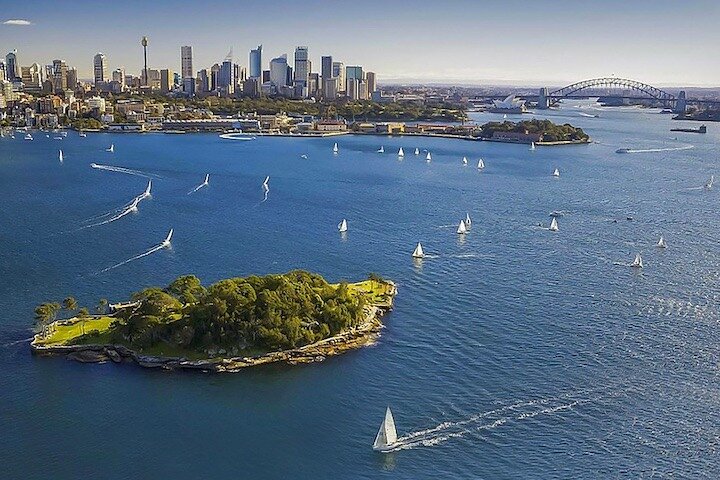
509,105
256,62
100,69
302,66
338,71
186,62
279,71
12,67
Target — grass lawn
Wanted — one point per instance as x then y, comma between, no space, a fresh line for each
71,333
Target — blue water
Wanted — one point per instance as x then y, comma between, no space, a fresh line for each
511,353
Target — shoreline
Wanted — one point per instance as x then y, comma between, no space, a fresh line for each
364,334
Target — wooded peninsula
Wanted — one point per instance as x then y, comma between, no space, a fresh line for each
296,317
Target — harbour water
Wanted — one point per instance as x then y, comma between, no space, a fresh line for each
512,352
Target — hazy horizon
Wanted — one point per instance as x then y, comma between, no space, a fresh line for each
459,42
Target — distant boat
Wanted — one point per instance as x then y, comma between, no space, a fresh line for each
417,151
418,252
468,222
532,145
166,242
481,164
207,179
147,190
637,263
304,156
401,153
709,184
60,156
335,148
387,435
381,150
28,137
505,116
661,243
134,205
624,150
464,160
83,134
265,182
462,228
553,225
428,157
556,173
343,226
111,148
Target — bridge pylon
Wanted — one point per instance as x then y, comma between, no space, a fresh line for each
543,99
680,103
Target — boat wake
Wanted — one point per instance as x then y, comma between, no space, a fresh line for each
654,150
117,214
237,136
204,184
490,420
16,342
165,244
127,171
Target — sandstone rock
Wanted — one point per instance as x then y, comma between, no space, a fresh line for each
88,356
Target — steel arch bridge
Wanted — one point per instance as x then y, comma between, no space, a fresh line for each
612,82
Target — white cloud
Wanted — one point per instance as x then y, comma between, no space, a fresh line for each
17,21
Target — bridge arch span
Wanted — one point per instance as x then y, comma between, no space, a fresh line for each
612,82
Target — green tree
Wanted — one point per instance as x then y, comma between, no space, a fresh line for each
70,304
101,307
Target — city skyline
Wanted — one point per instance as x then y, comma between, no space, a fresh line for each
495,45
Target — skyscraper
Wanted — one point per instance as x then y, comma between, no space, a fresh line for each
60,82
371,80
256,62
226,80
186,62
12,67
326,70
302,66
279,71
100,68
166,80
118,75
353,73
338,71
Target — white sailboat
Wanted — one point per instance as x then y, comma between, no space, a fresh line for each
304,156
417,151
709,185
661,243
554,225
428,157
532,145
481,164
556,173
401,153
207,179
28,137
504,115
343,226
387,435
462,228
147,190
82,134
266,182
111,148
464,160
468,222
166,242
134,205
335,148
381,150
60,156
418,252
637,263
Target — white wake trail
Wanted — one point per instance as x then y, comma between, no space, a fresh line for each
204,184
654,150
127,171
164,244
117,214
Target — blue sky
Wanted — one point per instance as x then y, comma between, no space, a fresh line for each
539,42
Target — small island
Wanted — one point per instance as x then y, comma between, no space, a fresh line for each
541,132
296,317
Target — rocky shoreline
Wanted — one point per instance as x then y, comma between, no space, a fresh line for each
362,335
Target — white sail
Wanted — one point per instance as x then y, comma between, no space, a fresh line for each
532,145
265,183
481,164
637,263
556,173
343,226
387,435
381,150
462,228
207,179
401,153
417,151
554,225
468,222
418,252
464,160
335,148
428,157
28,137
166,242
147,190
61,156
709,185
505,115
661,243
111,148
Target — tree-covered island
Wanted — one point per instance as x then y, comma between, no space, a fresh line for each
295,317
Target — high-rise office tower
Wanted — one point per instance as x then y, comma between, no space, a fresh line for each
118,75
60,82
186,62
279,71
226,80
338,71
352,73
72,78
371,80
100,68
302,66
326,68
256,62
12,67
166,80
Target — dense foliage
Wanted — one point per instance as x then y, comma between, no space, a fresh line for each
271,312
550,131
